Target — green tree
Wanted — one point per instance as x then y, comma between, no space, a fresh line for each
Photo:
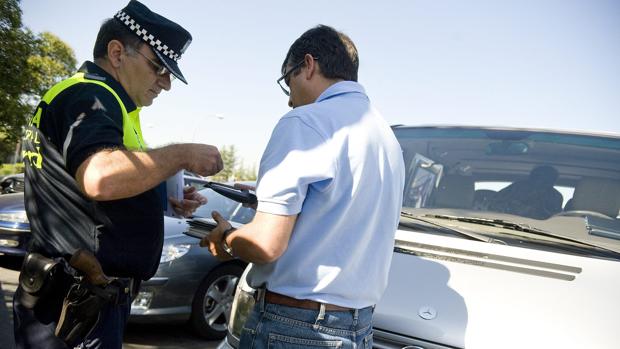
51,61
234,170
230,159
243,173
31,64
14,52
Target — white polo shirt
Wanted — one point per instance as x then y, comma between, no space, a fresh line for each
337,164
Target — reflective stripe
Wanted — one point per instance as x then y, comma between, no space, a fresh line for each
65,146
132,133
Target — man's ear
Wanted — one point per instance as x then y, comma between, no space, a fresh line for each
115,52
311,65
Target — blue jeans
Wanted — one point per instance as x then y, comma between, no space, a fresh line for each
277,326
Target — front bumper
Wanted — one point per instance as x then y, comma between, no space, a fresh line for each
168,296
13,241
143,311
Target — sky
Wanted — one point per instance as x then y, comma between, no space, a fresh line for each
550,64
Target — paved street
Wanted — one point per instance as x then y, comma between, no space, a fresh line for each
136,337
8,283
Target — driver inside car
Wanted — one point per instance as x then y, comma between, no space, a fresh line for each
534,197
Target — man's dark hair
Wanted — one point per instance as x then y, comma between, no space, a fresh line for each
544,174
335,52
110,30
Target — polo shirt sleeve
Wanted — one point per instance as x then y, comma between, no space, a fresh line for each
93,121
297,160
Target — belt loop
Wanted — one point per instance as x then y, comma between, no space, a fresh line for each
356,315
260,299
128,287
320,317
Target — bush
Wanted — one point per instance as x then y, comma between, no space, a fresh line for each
8,169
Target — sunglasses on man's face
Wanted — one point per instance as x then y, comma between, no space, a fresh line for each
158,69
286,77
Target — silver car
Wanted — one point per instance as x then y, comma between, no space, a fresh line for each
508,238
190,284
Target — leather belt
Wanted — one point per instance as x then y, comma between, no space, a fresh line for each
276,298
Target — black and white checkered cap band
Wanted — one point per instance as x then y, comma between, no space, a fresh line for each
148,38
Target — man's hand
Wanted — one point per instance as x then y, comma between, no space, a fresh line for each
213,240
204,159
191,201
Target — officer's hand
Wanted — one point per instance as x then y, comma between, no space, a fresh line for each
204,159
213,240
191,201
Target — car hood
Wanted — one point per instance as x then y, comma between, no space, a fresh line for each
174,227
464,293
12,202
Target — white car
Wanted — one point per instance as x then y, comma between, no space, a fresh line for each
509,238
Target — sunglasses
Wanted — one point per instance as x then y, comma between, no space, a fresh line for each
158,69
286,77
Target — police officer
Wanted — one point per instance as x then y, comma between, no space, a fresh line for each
92,184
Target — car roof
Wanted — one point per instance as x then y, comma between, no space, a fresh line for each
512,129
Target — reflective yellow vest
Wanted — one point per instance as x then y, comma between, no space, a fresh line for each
132,133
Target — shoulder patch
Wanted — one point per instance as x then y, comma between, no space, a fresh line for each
94,77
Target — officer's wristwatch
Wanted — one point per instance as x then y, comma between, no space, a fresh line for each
225,246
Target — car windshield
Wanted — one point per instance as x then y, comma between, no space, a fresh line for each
229,209
538,178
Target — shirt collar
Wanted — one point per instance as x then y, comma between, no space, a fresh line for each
95,72
341,87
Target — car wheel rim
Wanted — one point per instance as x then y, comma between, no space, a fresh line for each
218,301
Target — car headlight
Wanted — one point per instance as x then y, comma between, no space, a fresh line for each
9,243
14,217
143,300
242,306
171,252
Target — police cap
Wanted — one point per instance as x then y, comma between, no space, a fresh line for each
167,39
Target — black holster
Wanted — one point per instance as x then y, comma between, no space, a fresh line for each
82,307
37,278
44,282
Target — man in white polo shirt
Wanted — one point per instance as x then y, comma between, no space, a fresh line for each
329,193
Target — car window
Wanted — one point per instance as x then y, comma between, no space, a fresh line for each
216,202
243,215
229,209
529,174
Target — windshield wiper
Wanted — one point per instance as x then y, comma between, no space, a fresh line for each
522,228
467,234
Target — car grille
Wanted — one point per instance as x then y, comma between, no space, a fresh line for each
383,339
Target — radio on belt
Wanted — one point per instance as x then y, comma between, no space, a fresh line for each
240,195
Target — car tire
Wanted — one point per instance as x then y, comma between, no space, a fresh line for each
213,301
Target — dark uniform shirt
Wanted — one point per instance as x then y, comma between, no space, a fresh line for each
126,235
